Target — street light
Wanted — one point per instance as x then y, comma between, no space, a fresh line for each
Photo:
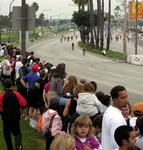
10,19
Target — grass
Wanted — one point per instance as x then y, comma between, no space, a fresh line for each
110,53
31,139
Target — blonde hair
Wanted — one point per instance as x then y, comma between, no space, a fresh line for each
63,142
81,120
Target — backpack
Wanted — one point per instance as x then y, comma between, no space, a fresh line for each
48,135
11,107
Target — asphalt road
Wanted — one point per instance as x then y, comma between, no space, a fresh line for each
106,72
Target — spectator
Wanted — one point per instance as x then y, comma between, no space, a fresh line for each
104,99
125,137
10,104
28,81
82,131
52,113
63,142
113,117
97,124
139,125
87,103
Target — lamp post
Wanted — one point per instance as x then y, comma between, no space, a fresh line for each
10,19
136,34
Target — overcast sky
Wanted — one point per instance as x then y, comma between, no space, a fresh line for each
62,8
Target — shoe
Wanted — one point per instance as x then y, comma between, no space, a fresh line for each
19,147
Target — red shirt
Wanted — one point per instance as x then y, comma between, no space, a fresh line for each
22,101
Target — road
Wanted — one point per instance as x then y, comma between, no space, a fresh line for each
106,72
118,45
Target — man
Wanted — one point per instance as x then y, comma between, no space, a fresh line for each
6,68
28,81
125,137
113,117
10,104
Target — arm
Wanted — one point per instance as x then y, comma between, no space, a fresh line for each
66,109
22,101
56,126
24,84
1,102
114,125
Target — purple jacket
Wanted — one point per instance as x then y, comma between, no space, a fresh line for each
91,141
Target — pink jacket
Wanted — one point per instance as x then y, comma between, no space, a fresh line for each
56,122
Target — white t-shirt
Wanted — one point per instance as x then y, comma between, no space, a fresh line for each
6,66
112,119
18,65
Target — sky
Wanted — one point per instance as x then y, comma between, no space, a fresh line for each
55,8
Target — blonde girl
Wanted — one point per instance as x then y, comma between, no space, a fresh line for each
82,131
63,142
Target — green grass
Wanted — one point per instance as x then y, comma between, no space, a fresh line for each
110,53
31,139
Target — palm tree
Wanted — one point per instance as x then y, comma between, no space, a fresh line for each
91,10
35,5
109,25
98,23
125,31
102,27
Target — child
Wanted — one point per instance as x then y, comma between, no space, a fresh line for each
51,119
139,125
125,137
82,131
97,124
63,142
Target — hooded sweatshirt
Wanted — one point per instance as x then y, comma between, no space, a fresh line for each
56,122
88,104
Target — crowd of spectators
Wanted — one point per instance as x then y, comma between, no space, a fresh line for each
70,113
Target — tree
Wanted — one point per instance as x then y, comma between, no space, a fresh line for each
109,25
91,21
35,5
102,27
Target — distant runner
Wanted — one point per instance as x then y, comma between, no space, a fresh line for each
72,45
83,51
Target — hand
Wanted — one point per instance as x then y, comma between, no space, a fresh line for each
85,147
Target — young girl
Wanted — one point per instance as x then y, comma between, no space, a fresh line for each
82,131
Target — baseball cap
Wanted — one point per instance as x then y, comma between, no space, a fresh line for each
35,67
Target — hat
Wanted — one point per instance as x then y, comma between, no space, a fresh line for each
138,108
35,67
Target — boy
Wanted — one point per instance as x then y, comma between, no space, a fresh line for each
125,137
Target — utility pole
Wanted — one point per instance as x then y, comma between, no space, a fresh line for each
136,33
23,28
125,32
10,20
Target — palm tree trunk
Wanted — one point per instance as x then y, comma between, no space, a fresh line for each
125,32
102,27
109,26
91,21
98,22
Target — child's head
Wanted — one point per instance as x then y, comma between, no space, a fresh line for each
82,126
53,103
97,123
139,124
63,142
88,87
125,136
126,110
